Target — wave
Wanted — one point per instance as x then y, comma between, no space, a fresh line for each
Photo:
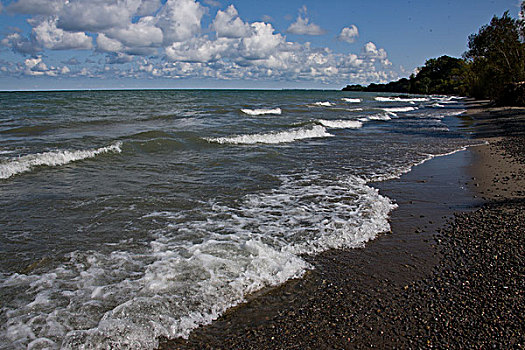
351,100
274,137
261,111
341,124
401,99
14,166
324,104
128,299
379,116
399,109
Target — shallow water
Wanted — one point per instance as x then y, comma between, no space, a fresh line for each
127,215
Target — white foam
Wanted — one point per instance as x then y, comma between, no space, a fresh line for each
275,137
399,109
14,166
341,124
379,116
199,264
351,100
261,111
401,99
324,104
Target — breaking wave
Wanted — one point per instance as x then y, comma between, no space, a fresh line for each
261,111
14,166
341,124
351,100
324,104
399,109
274,137
401,99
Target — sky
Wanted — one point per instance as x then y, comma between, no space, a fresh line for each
247,44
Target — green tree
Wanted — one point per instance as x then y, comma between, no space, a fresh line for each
442,75
496,56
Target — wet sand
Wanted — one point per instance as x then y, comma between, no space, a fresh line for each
437,280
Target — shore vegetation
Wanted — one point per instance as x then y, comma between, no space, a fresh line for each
492,68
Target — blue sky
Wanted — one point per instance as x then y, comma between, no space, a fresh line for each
80,44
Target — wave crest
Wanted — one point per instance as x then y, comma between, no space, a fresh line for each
401,99
275,137
341,124
26,163
261,111
351,100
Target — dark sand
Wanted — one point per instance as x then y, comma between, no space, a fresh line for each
436,281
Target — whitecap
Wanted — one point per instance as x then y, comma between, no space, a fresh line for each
351,100
14,166
274,137
379,116
127,300
400,99
261,111
324,104
399,109
341,124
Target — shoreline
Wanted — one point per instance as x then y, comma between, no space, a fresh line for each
391,293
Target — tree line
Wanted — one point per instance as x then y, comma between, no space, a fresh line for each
492,68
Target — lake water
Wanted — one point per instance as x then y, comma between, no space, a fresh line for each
129,215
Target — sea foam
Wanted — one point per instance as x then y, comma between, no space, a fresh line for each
399,109
324,104
126,300
341,124
401,99
351,100
261,111
14,166
274,137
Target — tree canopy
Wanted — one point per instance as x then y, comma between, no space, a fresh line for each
493,66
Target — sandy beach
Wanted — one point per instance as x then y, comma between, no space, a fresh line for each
450,274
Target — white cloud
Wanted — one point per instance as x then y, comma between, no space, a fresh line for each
302,25
349,34
20,44
169,40
148,7
106,44
200,50
180,20
51,37
140,34
228,24
373,52
96,15
262,43
36,7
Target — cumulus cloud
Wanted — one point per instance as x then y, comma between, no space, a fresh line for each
154,38
96,15
227,24
36,7
106,44
35,66
349,34
302,25
144,33
21,44
48,35
373,52
180,20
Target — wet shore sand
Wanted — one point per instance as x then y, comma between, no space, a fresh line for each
451,274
